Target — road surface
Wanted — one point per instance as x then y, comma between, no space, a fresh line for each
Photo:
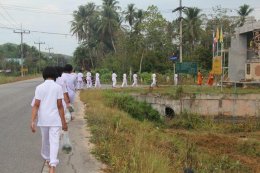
19,148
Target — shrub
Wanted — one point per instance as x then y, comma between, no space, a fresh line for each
138,110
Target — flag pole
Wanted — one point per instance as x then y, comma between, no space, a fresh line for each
222,46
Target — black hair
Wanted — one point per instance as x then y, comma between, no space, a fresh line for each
49,72
59,70
68,68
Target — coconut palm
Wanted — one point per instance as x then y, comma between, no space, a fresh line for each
192,24
244,11
81,26
109,23
139,18
130,15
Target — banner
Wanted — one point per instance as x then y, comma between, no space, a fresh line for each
217,65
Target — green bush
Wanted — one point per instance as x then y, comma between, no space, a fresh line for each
138,110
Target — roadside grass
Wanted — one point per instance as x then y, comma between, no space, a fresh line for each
128,144
9,79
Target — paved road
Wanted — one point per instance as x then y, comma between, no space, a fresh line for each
19,148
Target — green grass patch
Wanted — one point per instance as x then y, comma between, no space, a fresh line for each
138,110
128,145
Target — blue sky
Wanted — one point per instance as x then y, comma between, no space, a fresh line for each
13,14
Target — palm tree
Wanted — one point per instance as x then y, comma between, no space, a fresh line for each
244,11
82,24
110,22
139,18
130,15
192,24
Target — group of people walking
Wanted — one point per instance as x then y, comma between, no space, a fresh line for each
51,100
124,83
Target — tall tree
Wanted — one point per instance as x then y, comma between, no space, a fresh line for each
110,22
130,15
83,19
244,11
192,24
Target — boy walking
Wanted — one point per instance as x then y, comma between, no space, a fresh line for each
48,110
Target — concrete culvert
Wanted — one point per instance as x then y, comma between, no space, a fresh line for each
169,112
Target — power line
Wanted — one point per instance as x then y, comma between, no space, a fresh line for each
8,14
35,31
7,20
34,10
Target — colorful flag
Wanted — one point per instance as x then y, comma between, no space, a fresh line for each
217,35
221,39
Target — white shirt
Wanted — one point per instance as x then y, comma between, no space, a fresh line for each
88,76
124,76
114,76
135,76
62,83
70,81
48,93
80,76
154,76
97,76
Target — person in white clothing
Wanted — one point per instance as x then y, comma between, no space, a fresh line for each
80,80
135,80
61,82
70,81
153,80
175,79
114,76
97,81
124,84
49,111
89,80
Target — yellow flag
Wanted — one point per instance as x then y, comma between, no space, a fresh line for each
217,35
221,39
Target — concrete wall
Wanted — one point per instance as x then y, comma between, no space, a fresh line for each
208,105
237,58
254,71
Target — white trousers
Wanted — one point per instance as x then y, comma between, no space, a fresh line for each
89,83
114,82
124,83
135,83
97,83
80,85
71,96
50,144
153,83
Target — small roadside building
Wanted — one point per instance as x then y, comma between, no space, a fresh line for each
244,53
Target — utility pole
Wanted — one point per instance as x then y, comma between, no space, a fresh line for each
21,32
181,31
39,43
49,49
180,8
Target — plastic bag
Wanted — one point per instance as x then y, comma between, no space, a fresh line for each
71,108
65,143
67,115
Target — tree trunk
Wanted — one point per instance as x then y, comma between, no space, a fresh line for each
141,61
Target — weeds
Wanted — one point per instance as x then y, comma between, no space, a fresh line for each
138,110
128,145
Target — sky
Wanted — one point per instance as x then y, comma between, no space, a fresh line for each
54,16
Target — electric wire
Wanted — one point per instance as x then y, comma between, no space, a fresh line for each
8,14
36,31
